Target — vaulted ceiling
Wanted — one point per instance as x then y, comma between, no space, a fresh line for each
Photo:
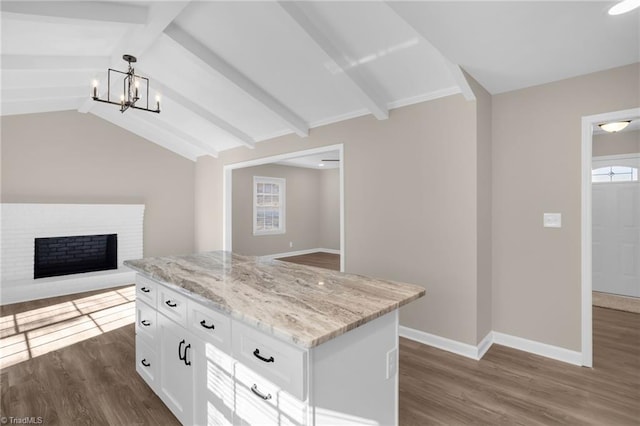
235,74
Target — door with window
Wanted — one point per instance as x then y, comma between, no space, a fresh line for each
616,225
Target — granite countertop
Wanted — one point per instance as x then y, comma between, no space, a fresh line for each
303,305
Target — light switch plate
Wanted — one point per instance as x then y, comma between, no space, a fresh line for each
552,220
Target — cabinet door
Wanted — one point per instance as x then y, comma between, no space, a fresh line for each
214,398
176,369
146,364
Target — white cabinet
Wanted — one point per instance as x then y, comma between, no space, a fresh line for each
214,399
212,370
176,369
146,361
261,402
146,323
280,363
146,290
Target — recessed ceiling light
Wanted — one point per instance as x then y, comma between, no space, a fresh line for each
624,7
614,126
320,165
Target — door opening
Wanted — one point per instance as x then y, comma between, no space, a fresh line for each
588,124
284,159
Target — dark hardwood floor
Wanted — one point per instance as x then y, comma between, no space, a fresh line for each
78,364
512,387
319,259
77,368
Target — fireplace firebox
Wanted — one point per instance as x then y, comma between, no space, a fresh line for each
55,256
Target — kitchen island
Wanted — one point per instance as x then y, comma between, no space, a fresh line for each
230,339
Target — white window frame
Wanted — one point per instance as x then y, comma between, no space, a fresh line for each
282,207
623,160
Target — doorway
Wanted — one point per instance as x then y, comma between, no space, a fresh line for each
288,159
588,125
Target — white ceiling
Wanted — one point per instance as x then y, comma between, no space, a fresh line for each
238,73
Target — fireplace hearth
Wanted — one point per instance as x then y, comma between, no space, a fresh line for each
55,256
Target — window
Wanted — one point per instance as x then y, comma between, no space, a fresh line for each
614,174
268,205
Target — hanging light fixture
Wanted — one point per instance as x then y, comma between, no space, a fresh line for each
614,126
131,90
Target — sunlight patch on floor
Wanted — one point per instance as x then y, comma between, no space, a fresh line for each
32,333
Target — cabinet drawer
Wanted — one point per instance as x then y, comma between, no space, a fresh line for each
146,362
279,362
260,402
210,325
146,290
173,305
146,320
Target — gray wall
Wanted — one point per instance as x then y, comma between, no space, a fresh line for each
309,198
484,201
68,157
330,209
432,228
537,169
616,143
410,204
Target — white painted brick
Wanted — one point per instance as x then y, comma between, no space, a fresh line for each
22,223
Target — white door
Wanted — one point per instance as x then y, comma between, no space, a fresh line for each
616,227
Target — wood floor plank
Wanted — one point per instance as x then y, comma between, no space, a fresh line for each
509,386
90,382
319,259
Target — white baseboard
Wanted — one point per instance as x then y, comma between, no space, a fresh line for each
299,253
439,342
332,251
538,348
15,292
485,344
477,352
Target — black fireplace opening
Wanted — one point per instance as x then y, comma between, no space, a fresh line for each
55,256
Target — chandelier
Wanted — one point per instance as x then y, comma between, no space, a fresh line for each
131,90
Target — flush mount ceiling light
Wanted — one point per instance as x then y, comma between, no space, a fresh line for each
624,7
131,91
614,126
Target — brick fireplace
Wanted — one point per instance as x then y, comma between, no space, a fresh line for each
54,249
